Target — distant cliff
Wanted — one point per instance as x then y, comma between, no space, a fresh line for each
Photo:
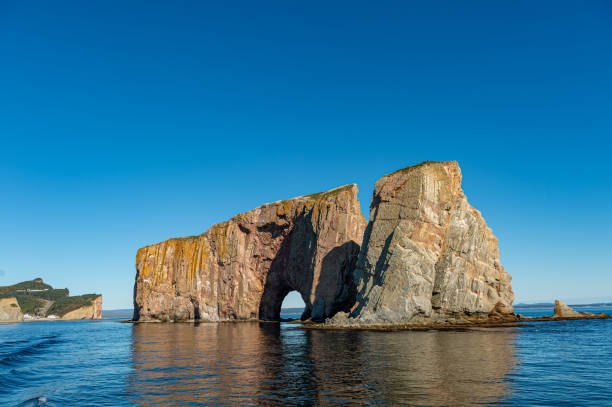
35,300
91,308
244,268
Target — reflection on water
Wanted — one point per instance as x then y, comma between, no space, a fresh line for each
269,363
107,363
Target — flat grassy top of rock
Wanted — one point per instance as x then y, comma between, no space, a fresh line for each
327,194
419,165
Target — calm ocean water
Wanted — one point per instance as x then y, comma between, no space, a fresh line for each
107,363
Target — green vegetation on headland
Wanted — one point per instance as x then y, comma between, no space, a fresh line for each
39,299
320,195
36,284
62,306
31,305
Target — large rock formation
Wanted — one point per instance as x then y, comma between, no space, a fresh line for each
427,254
91,311
10,310
243,268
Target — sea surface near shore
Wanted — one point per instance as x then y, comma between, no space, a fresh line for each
109,363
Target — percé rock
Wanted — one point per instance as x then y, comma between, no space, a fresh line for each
10,310
91,311
427,254
243,268
562,310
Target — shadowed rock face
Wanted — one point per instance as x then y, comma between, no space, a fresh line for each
244,268
427,254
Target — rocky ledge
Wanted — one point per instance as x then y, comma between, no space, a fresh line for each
495,319
564,311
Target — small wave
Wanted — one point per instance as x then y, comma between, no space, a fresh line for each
17,342
34,402
34,349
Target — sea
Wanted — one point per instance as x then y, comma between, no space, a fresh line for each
112,363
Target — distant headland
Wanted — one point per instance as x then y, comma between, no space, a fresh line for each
552,304
37,301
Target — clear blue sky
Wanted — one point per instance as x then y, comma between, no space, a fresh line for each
126,123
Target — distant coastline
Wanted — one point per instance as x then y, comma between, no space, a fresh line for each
552,305
128,312
124,313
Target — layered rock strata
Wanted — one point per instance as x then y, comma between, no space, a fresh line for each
427,254
10,310
243,268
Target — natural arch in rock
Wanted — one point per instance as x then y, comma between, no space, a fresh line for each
326,287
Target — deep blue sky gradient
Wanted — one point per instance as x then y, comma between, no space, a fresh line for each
126,123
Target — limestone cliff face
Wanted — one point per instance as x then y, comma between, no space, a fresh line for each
10,310
91,311
243,268
427,254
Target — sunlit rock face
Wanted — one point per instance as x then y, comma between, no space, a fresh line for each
243,268
427,254
10,310
91,311
562,310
